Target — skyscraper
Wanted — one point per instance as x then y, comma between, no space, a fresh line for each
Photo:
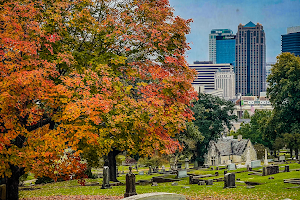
250,59
212,42
290,42
225,46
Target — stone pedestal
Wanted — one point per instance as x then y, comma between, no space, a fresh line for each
229,180
105,184
186,163
130,184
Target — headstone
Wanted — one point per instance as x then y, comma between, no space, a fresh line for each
179,165
281,158
248,159
225,172
3,192
216,173
217,168
157,195
163,168
231,166
141,172
255,163
229,180
105,184
150,170
287,168
266,158
271,177
186,187
201,183
182,173
174,184
212,168
186,163
130,184
154,184
209,182
264,172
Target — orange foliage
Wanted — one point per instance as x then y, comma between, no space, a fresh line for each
117,80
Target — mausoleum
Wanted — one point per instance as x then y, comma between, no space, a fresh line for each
228,150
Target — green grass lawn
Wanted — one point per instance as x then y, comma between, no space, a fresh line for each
269,188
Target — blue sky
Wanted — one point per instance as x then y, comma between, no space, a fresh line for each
274,15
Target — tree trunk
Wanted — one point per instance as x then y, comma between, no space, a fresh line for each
112,164
12,183
291,152
296,153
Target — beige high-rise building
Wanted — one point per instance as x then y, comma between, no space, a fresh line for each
250,59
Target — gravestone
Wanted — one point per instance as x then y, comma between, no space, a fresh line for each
201,183
287,168
216,173
182,173
255,163
225,172
154,184
273,169
209,182
105,184
174,184
186,163
3,192
266,158
281,158
212,168
229,180
217,168
179,165
163,169
157,196
130,184
231,166
141,172
150,170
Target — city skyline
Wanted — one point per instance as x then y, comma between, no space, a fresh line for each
275,16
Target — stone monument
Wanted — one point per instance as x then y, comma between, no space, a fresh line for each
266,158
229,180
186,163
105,184
248,159
130,184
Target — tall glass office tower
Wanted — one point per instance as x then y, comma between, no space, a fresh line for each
290,42
250,59
225,46
212,42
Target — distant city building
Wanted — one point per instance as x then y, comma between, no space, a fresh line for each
290,42
203,62
250,59
225,49
212,42
208,74
225,79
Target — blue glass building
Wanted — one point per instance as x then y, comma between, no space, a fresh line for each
291,42
225,49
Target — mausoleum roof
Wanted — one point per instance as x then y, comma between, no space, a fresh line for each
231,146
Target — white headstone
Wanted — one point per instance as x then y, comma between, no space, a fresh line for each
248,159
266,158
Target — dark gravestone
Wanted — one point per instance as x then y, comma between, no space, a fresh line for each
130,184
179,165
216,173
272,170
225,172
105,184
201,183
229,180
150,170
209,182
287,168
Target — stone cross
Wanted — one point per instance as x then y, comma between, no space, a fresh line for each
130,184
266,158
105,184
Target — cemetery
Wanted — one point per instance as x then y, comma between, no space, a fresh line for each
257,181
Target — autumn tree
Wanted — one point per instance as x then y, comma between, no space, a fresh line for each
213,116
78,75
